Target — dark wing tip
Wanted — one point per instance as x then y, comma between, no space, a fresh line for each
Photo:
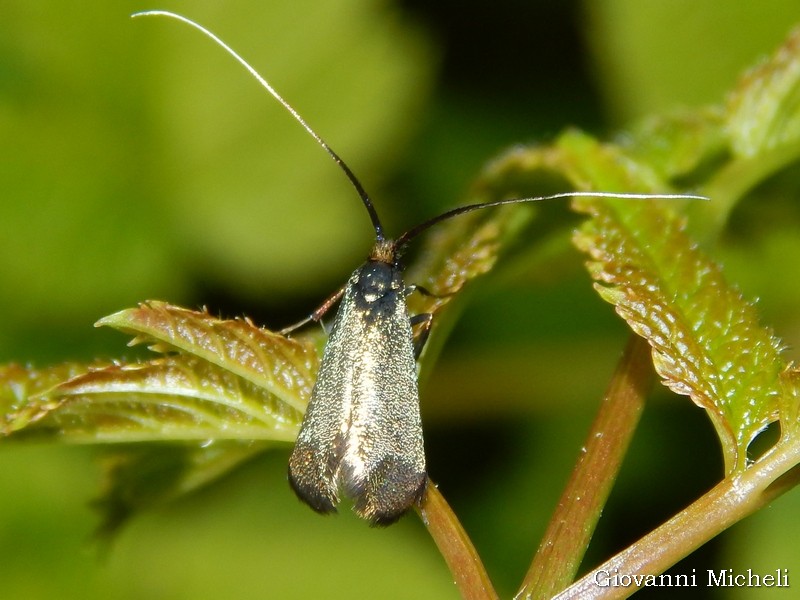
392,489
311,487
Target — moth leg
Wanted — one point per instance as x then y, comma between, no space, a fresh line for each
425,320
317,315
410,289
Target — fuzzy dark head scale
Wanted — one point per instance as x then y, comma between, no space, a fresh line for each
385,251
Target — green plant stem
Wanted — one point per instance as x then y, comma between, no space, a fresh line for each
456,548
728,502
574,520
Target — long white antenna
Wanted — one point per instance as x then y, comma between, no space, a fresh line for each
415,231
365,199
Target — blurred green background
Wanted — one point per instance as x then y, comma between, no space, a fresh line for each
139,162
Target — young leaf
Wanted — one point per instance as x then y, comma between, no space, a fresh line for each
764,110
284,367
171,398
19,384
224,380
706,339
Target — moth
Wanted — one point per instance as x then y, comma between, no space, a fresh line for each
361,436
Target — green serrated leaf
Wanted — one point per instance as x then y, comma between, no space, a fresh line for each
227,380
764,111
173,398
18,384
284,367
707,342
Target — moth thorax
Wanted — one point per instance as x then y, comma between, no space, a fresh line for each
376,279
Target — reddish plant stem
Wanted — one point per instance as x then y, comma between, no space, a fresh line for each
728,502
456,548
559,556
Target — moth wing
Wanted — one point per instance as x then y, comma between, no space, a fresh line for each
383,464
362,430
317,454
